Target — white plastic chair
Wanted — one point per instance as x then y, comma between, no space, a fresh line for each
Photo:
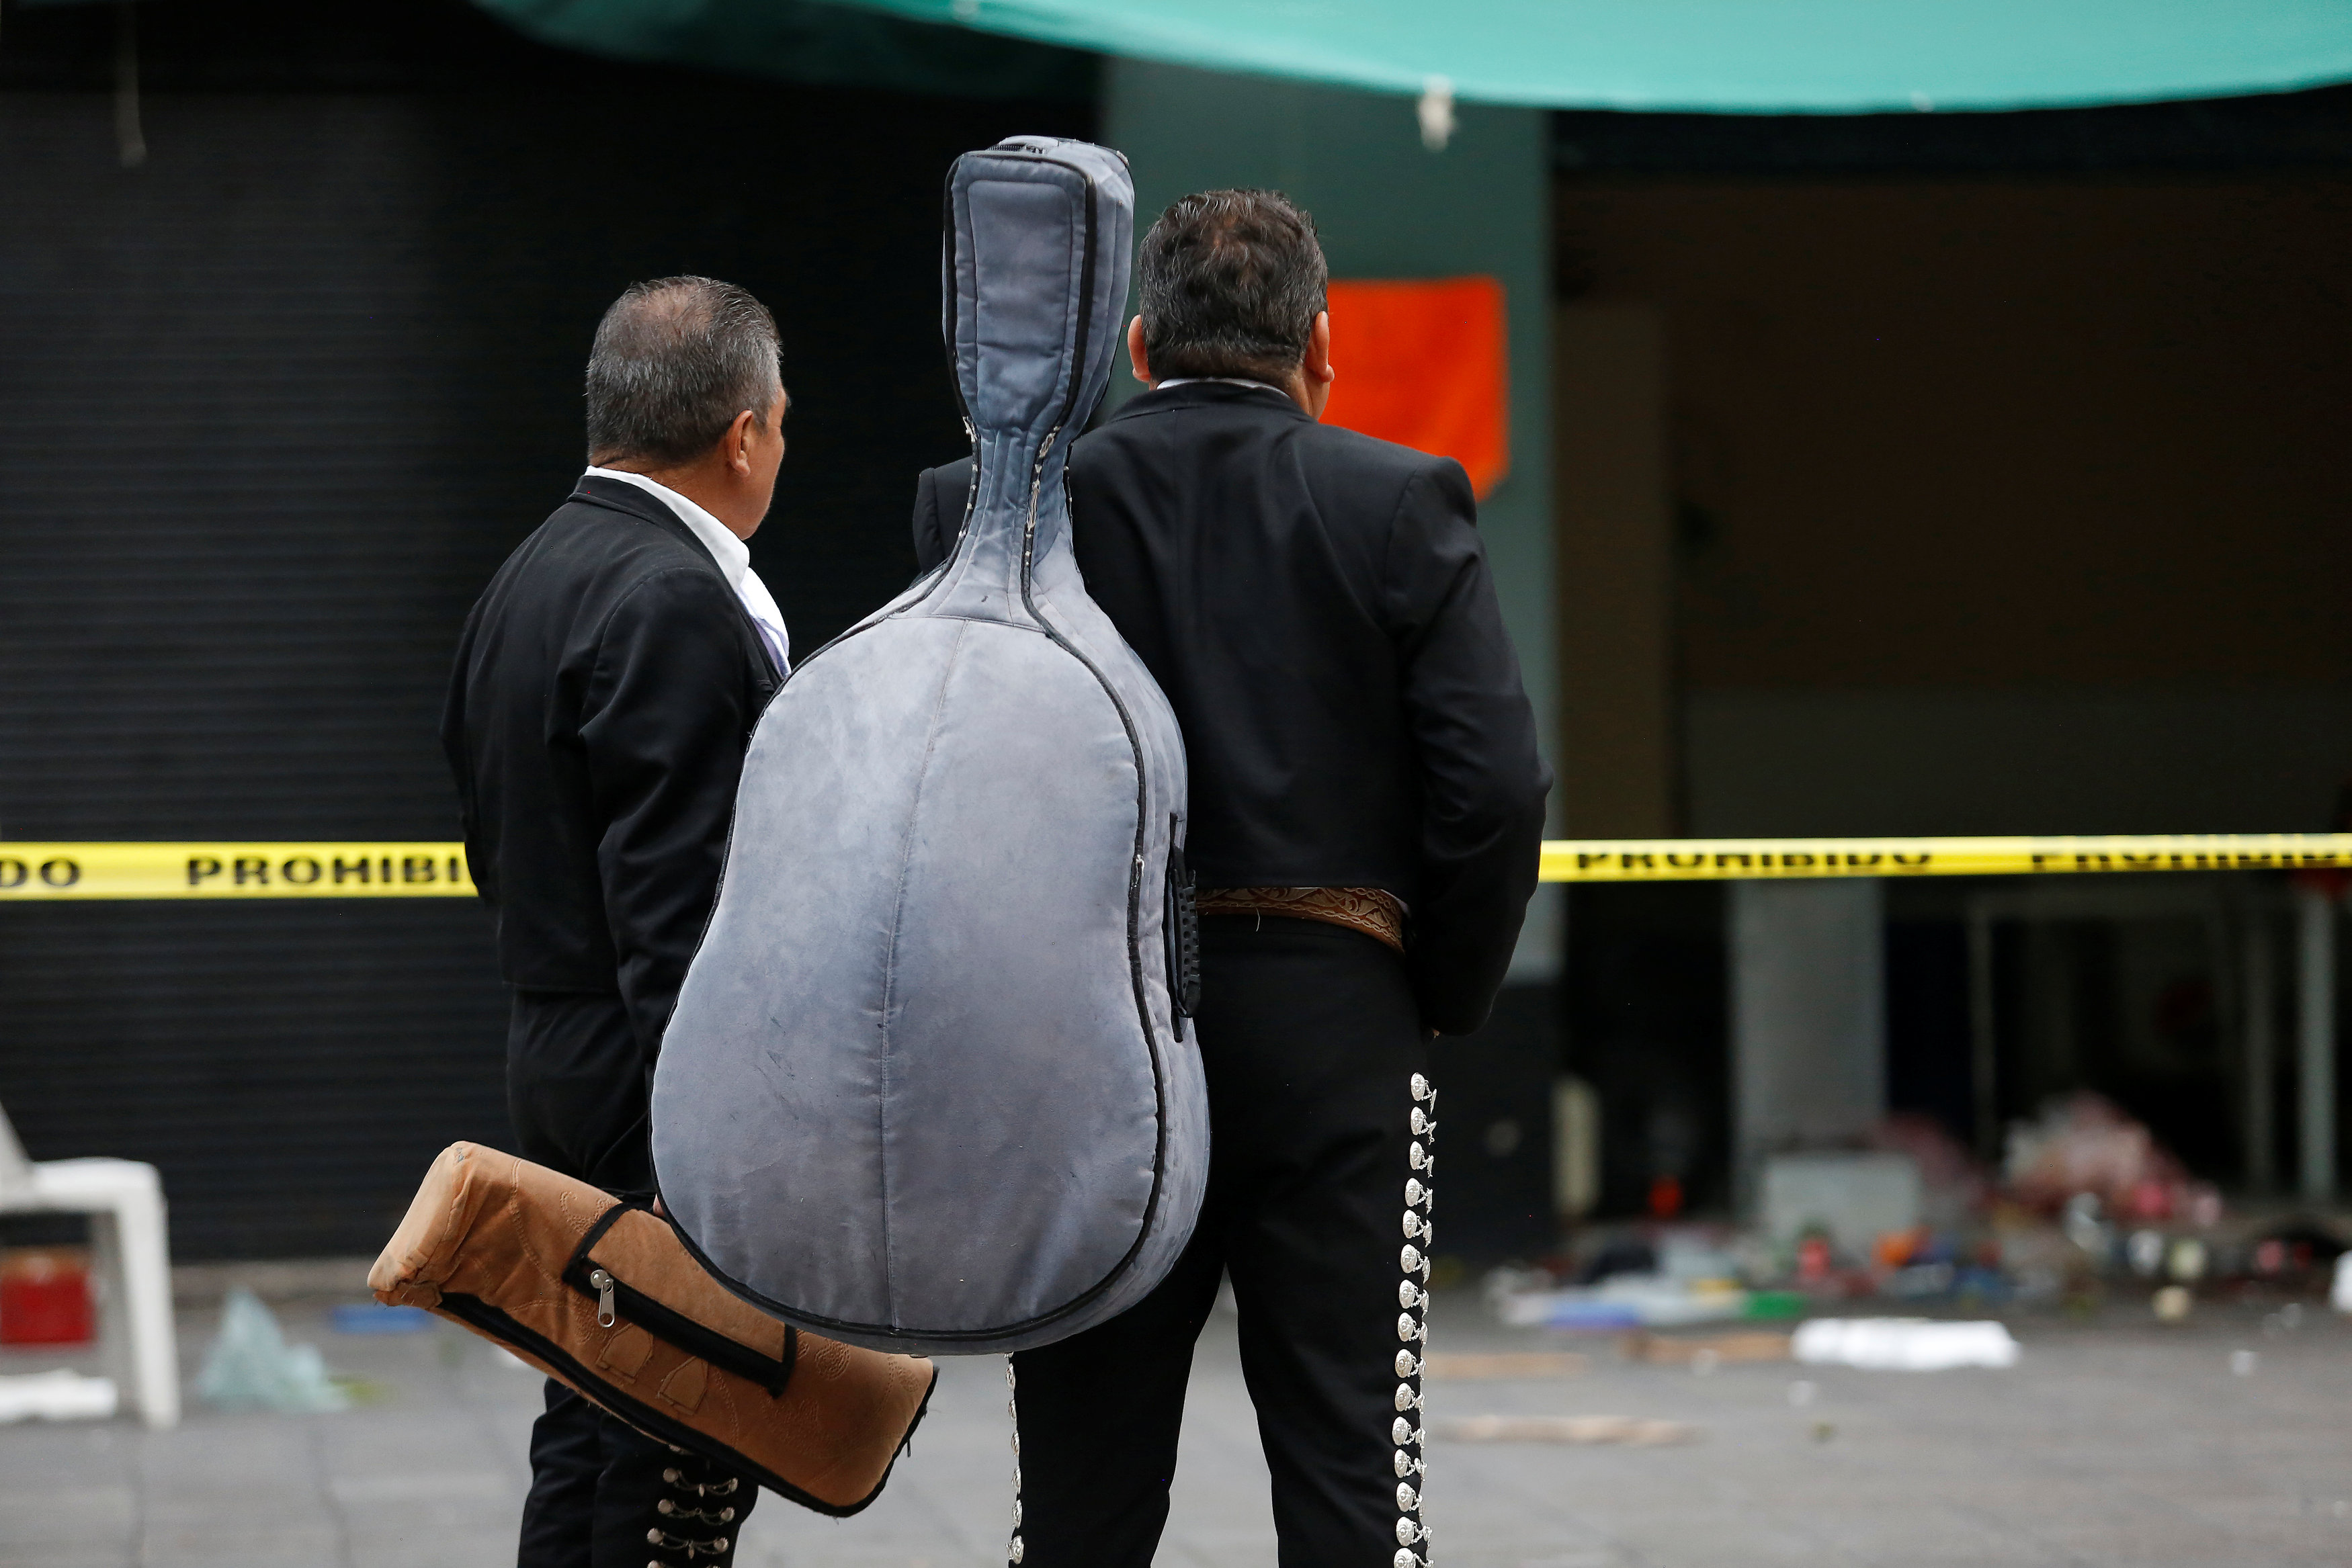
124,1200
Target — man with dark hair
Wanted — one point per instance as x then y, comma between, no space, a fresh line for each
1366,807
605,686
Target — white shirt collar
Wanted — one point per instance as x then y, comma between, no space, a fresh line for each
733,556
1222,381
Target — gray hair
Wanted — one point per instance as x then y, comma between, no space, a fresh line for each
676,359
1230,284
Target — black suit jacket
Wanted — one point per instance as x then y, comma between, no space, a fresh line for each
605,686
1317,607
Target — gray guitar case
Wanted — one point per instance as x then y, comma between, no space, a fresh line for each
927,1088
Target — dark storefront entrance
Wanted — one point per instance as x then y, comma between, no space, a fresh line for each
272,407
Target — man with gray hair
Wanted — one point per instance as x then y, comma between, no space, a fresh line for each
606,685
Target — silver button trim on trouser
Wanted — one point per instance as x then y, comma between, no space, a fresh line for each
1013,1549
694,1507
1414,1260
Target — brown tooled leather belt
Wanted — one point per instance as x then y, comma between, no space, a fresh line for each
1376,913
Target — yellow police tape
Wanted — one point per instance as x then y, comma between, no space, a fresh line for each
410,870
234,870
1731,860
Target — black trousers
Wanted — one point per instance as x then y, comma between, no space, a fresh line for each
603,1494
577,1089
1311,1042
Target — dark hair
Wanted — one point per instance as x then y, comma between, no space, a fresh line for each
675,361
1232,281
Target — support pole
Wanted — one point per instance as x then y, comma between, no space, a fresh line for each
2261,1036
2316,1029
1808,1016
1982,1037
129,137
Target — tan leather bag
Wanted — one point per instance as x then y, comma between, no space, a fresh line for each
603,1296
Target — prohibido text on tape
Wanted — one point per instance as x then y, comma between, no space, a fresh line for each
1729,860
392,870
436,870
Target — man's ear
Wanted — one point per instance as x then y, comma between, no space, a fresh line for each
1317,360
1136,355
736,445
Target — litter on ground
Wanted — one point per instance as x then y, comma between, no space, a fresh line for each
1581,1429
251,1367
63,1394
1903,1344
1474,1365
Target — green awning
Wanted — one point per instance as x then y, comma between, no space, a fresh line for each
1832,56
807,41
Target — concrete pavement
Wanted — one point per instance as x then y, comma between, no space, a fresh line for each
2117,1442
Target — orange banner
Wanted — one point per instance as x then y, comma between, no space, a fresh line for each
1425,364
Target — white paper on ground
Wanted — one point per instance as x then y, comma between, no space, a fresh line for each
63,1394
1903,1344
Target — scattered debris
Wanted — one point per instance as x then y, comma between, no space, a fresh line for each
2087,1200
374,1317
44,1296
1846,1200
1954,1188
63,1394
1624,1255
1578,1429
251,1367
1640,1301
1716,1351
1903,1344
1469,1366
2083,1145
2295,1247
